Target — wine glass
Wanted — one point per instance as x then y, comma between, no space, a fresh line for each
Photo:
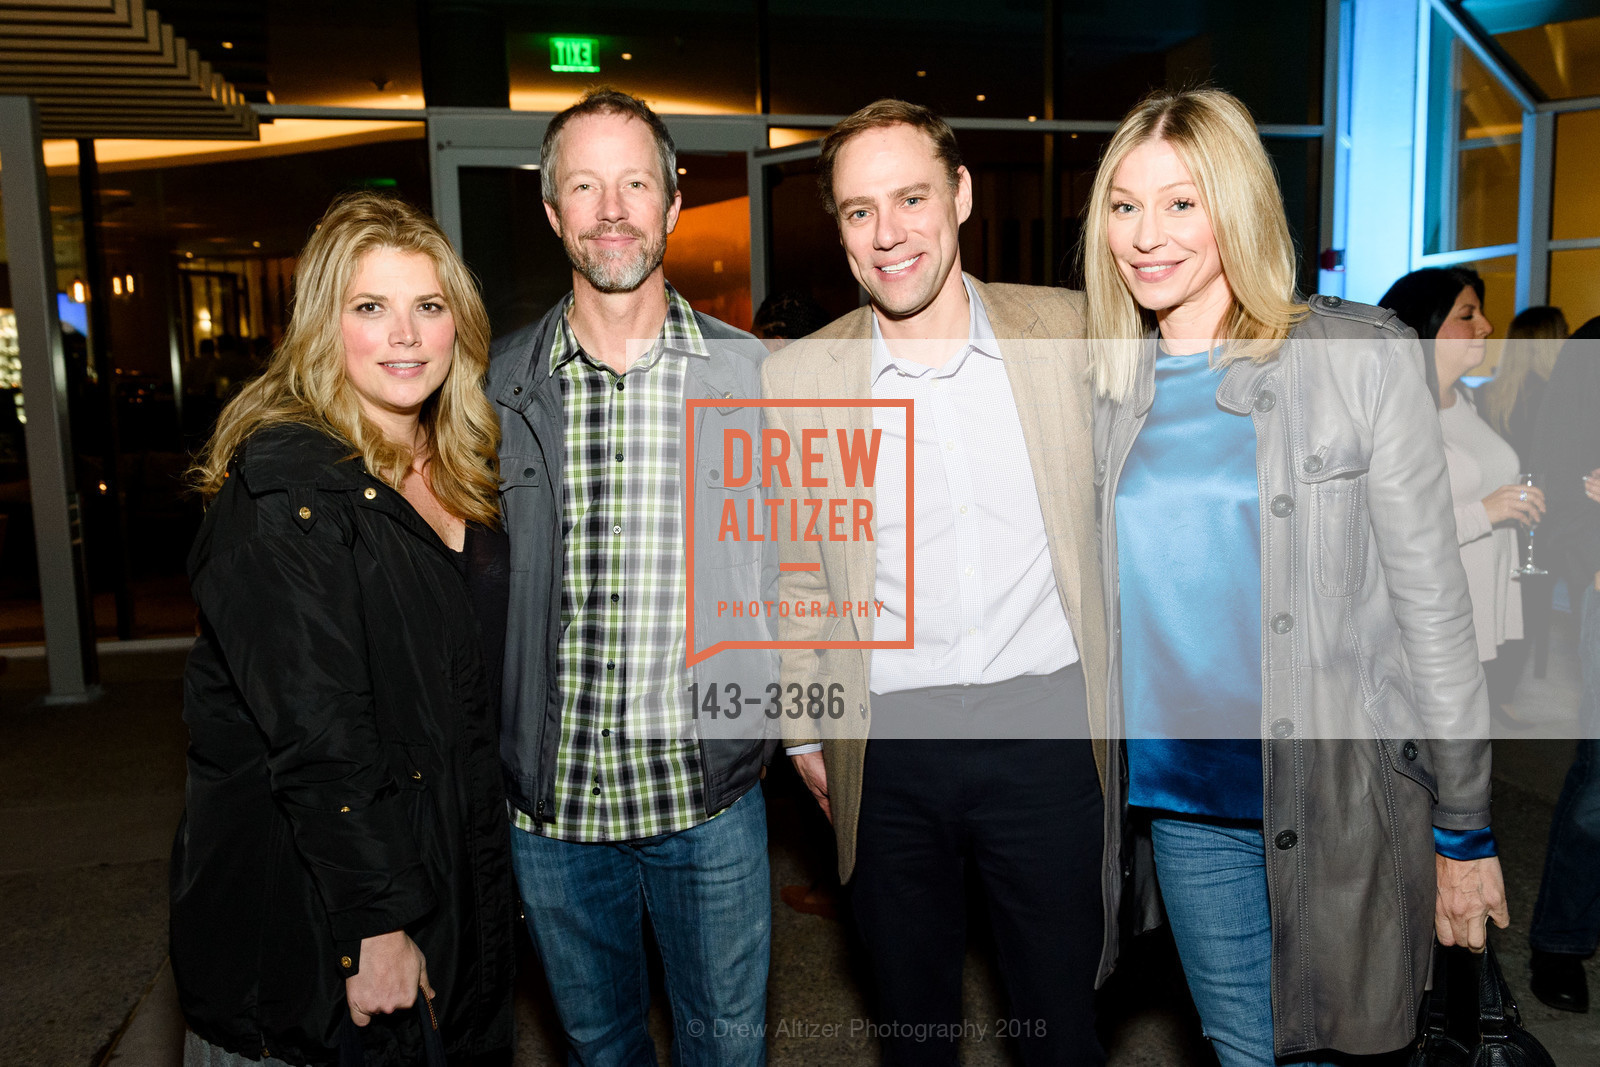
1529,568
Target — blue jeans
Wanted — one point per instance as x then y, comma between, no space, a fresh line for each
1214,881
1567,915
709,897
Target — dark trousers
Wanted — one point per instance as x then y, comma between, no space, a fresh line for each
1026,815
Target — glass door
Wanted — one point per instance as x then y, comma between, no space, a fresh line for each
486,195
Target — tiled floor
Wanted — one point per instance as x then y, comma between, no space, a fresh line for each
89,797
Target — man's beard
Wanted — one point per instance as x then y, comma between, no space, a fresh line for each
616,272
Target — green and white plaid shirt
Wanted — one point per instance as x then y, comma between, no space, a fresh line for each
629,763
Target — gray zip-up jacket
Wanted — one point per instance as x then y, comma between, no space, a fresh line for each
1374,717
532,454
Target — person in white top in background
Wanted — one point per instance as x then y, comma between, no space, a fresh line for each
1445,307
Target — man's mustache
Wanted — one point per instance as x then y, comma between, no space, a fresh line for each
620,229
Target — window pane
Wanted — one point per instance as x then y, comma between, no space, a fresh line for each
1575,284
1298,162
1474,151
1486,195
1563,58
708,255
507,242
1576,209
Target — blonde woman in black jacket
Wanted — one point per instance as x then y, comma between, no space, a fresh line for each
343,855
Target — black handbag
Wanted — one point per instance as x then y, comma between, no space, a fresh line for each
1461,1029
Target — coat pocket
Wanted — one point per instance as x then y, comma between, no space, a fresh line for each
522,489
1340,524
1408,756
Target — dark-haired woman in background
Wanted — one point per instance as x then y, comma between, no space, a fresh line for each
1445,307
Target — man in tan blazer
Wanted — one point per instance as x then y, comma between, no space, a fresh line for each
973,747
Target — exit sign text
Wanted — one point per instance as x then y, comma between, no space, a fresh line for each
575,55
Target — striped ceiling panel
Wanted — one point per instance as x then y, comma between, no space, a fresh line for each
112,68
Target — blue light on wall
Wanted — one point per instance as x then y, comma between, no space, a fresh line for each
72,313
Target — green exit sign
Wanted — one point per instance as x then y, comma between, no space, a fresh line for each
575,55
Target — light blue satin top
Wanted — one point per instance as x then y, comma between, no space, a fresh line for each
1189,557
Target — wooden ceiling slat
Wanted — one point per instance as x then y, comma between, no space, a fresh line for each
112,68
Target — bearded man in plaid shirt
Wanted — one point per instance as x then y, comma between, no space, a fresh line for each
626,801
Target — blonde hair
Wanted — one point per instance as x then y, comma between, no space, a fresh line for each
1542,326
1215,137
306,383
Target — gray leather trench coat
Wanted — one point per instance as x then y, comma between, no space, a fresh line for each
1374,718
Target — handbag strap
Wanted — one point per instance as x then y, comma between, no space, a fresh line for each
1497,1012
1435,1017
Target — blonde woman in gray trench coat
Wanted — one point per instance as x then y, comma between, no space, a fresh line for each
1292,654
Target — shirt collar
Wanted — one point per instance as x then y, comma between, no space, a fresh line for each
680,335
980,339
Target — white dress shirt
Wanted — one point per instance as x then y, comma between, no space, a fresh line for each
987,607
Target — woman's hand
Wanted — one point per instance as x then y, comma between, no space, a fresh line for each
1591,485
1470,893
392,970
1524,503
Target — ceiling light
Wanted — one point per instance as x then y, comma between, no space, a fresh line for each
1033,118
527,166
80,292
922,74
683,170
227,44
116,285
255,244
127,282
627,55
981,98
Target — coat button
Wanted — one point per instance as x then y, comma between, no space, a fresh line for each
1409,750
1333,301
345,808
305,513
1282,728
1286,840
1282,622
417,775
344,961
1312,464
715,474
370,493
516,391
1100,468
527,472
1267,400
1282,505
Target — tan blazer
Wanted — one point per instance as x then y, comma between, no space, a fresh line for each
1052,394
